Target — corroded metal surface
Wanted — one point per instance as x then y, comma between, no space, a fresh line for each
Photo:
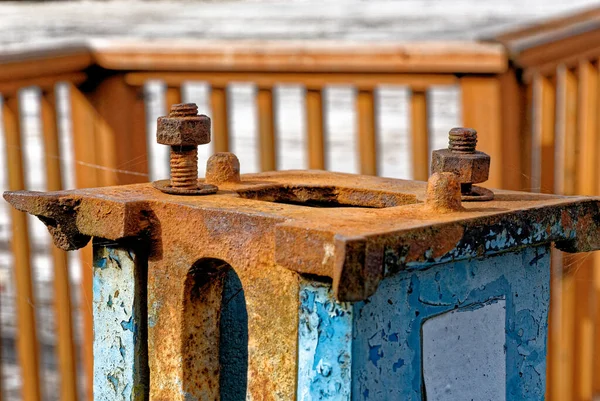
328,224
352,231
183,126
183,129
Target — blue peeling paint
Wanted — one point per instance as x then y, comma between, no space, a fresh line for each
386,360
128,325
324,345
114,381
100,263
390,332
120,367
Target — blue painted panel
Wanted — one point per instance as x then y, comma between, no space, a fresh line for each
120,367
386,350
324,345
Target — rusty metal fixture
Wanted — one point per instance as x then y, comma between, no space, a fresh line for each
443,193
183,130
272,228
223,168
470,165
323,223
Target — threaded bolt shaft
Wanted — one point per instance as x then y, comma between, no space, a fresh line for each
184,110
184,167
462,140
184,159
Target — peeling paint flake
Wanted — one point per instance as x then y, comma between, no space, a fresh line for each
325,344
116,370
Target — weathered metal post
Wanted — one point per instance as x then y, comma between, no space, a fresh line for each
316,285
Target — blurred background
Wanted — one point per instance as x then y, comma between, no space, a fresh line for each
355,86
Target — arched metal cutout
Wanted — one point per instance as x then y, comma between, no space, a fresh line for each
215,333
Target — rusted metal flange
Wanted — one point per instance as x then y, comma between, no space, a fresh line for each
202,189
477,194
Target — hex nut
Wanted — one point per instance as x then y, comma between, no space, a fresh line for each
469,167
183,131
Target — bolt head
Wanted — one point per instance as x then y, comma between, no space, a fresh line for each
183,131
469,167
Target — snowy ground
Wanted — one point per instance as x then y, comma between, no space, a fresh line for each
22,24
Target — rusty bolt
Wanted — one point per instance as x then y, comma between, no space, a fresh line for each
183,129
461,158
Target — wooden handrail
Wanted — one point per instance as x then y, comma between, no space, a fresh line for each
297,56
257,56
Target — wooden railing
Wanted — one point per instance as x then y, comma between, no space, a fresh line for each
558,63
535,110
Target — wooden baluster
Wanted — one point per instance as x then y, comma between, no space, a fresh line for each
219,120
139,138
566,125
266,130
544,125
172,96
587,126
26,336
315,129
587,168
120,132
367,131
419,134
514,129
481,101
596,267
525,145
83,122
62,292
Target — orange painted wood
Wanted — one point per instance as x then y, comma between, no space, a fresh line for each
83,117
315,129
587,171
172,96
62,288
219,119
566,125
324,56
314,80
120,132
266,130
27,343
31,65
10,88
367,132
567,336
514,129
420,135
587,126
481,111
525,143
544,130
580,266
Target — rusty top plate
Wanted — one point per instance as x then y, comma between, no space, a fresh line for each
354,229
